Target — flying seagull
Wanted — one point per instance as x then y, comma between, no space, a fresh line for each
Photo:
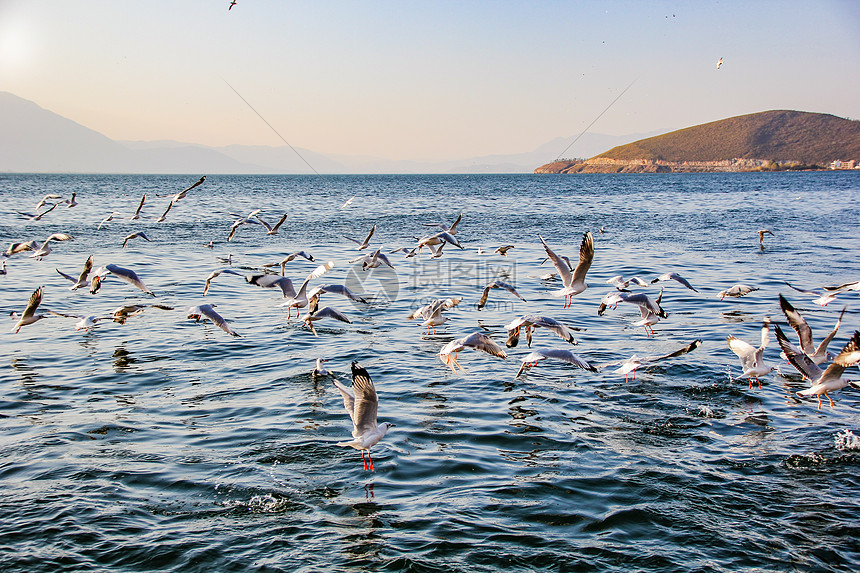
829,380
363,244
476,340
572,279
634,362
207,311
497,284
82,279
531,359
362,403
752,359
818,354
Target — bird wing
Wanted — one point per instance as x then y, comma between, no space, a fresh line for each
166,211
804,291
850,353
765,338
58,237
128,276
480,341
510,289
265,224
342,290
796,357
561,266
744,350
586,256
33,303
65,276
453,228
449,238
822,347
139,207
217,319
798,323
88,266
329,312
366,240
484,295
566,356
278,224
348,399
320,270
366,401
554,326
688,348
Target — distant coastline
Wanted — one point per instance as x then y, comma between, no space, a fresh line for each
606,165
776,140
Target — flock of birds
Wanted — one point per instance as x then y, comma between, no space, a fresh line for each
361,400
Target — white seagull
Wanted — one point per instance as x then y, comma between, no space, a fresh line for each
362,403
822,299
207,310
818,354
532,358
634,362
476,340
272,229
532,321
82,279
314,315
572,279
651,311
29,315
139,234
121,273
45,249
675,277
752,359
736,291
289,258
829,380
497,284
432,312
363,244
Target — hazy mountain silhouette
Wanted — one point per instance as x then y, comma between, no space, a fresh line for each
41,141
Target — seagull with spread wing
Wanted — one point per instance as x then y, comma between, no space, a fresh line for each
752,359
573,279
804,333
362,403
497,284
824,381
476,340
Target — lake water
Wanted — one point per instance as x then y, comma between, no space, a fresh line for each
165,444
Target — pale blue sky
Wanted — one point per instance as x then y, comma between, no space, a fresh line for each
423,80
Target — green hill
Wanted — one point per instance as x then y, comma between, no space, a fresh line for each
780,135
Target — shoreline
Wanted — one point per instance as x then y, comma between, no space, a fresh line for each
606,165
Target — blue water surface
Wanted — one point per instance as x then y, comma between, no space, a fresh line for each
165,444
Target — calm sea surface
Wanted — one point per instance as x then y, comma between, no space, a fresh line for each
165,444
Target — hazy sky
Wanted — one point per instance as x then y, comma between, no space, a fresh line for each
423,80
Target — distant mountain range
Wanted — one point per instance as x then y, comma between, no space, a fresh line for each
35,140
766,140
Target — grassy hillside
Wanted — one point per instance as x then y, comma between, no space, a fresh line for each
811,138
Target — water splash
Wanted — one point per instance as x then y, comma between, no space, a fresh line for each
706,412
846,441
